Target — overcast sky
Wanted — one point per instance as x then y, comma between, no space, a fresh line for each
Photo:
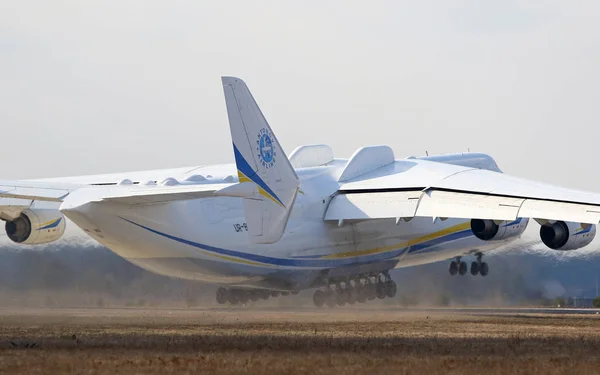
105,86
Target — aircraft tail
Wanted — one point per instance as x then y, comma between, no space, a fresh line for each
260,160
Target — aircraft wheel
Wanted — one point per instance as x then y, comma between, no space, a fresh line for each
222,296
453,268
295,292
244,296
352,296
319,298
285,293
483,269
265,294
390,288
233,297
331,299
254,295
275,294
380,290
341,297
462,268
372,291
474,268
361,294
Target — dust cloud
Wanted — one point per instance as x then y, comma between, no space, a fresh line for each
76,273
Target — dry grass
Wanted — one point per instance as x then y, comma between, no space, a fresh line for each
236,341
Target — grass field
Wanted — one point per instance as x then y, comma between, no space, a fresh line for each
134,341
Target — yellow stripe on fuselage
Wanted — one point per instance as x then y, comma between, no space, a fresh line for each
415,241
238,260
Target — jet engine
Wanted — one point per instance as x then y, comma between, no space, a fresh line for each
491,230
567,235
34,227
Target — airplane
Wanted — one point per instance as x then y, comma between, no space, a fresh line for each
270,225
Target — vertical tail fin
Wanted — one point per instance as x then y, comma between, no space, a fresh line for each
260,160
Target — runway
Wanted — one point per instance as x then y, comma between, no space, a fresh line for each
353,341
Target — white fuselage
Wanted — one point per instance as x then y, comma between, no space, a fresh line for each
206,239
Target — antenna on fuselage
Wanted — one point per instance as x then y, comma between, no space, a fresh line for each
426,153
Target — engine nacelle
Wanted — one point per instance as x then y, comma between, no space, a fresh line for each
36,227
490,230
563,235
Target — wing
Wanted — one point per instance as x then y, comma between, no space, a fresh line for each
16,196
412,188
31,190
140,195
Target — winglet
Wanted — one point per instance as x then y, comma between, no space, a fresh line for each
259,159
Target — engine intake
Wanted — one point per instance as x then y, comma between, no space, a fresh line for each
490,230
563,235
36,227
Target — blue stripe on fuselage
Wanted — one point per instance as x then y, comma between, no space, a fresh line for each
296,262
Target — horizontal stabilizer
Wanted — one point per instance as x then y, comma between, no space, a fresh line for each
152,194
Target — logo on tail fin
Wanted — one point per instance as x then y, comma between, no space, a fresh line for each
265,148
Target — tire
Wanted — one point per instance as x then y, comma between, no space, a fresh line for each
254,295
371,292
341,298
244,296
390,289
331,299
233,297
361,294
453,268
222,296
381,292
462,268
352,296
484,269
319,298
474,268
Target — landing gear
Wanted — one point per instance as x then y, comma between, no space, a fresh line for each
319,298
222,296
358,290
390,289
453,268
242,296
478,267
457,266
483,269
474,268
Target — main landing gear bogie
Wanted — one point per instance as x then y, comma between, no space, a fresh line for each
242,296
359,290
478,267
